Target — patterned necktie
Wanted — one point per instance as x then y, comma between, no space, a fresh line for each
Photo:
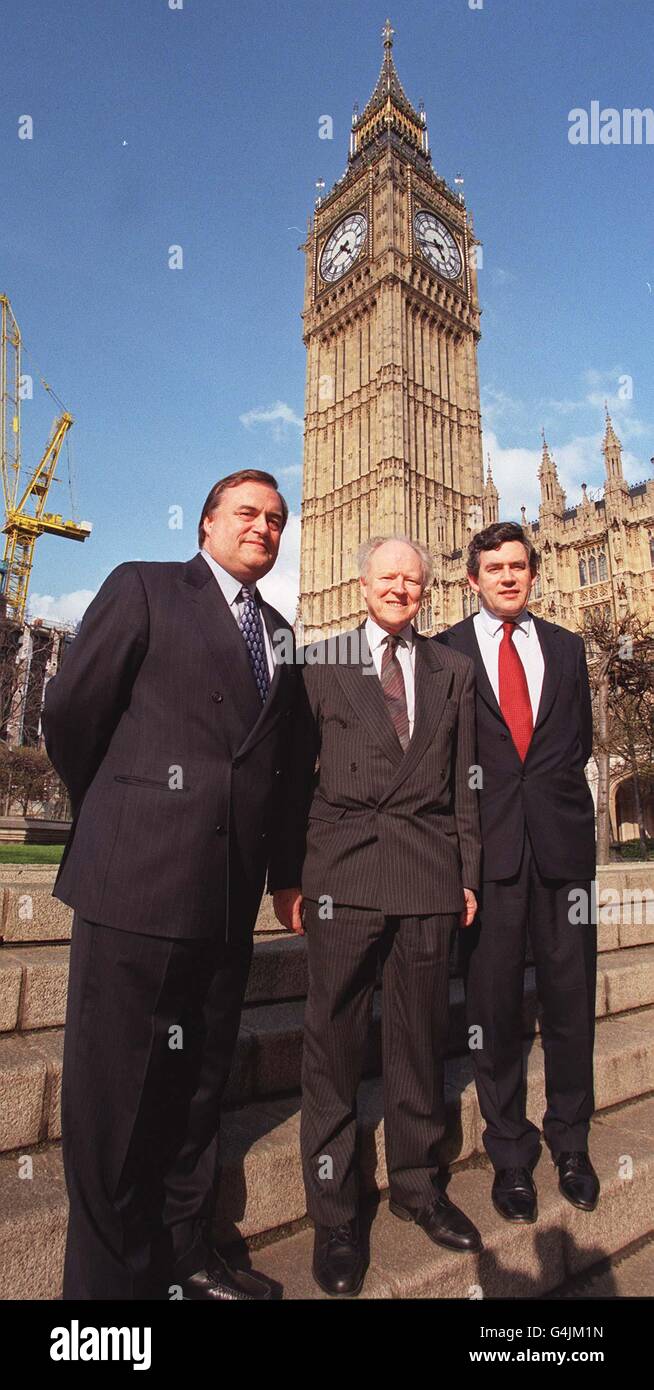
392,682
250,624
514,693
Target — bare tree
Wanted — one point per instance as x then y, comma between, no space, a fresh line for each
620,663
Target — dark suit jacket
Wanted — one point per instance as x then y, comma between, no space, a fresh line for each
549,793
384,829
171,761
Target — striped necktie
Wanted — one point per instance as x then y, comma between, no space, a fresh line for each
392,682
515,703
250,624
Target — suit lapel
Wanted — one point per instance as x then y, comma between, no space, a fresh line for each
233,671
433,682
362,687
469,645
279,695
549,636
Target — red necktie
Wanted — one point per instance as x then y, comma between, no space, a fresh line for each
514,693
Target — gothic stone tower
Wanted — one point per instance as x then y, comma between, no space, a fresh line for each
391,326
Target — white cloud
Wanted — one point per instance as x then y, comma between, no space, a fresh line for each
282,586
515,474
67,608
278,415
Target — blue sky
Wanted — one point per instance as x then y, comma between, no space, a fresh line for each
199,127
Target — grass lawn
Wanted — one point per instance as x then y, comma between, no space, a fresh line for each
30,854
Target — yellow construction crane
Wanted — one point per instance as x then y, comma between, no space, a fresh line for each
25,516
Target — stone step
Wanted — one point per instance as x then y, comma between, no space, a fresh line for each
268,1054
33,978
261,1183
517,1261
261,1186
29,913
269,1049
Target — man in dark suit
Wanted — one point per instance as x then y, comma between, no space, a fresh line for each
391,865
168,722
534,738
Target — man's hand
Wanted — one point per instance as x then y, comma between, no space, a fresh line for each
468,912
287,903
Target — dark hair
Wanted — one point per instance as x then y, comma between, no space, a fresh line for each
244,475
492,537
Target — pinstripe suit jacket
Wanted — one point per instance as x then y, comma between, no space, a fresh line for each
382,828
172,764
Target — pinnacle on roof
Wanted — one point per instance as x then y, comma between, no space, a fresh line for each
388,83
389,108
610,437
489,474
547,464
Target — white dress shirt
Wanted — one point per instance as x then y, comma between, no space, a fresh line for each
488,631
231,588
406,656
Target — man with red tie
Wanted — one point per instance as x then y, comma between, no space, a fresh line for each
534,738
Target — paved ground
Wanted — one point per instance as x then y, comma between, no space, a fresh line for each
629,1274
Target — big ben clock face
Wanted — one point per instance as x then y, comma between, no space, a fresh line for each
343,247
437,245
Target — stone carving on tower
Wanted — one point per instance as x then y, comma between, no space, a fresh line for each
391,325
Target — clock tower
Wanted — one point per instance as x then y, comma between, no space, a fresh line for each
391,326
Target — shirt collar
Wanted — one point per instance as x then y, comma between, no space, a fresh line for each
493,625
230,586
376,635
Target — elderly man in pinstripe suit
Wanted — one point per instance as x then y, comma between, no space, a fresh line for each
382,864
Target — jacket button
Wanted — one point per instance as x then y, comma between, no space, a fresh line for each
216,697
278,772
219,829
353,767
504,737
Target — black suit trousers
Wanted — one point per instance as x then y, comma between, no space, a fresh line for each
343,957
493,955
150,1032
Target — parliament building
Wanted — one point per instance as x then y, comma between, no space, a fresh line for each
392,414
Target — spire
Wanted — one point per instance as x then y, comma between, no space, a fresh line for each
389,107
491,497
612,450
610,437
547,464
552,494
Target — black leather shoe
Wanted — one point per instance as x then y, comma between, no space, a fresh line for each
444,1223
338,1266
578,1180
224,1284
514,1194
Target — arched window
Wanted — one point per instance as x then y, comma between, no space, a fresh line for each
592,570
582,573
651,550
537,590
603,571
465,604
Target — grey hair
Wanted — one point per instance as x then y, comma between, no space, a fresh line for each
368,549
